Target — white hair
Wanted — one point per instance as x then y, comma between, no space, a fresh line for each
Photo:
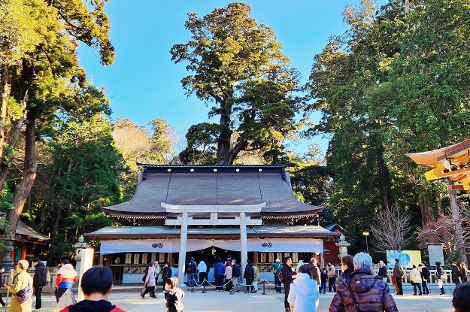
362,261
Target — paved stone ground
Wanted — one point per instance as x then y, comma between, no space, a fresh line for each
128,298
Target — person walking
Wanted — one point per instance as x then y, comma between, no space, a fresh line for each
39,281
201,269
382,271
66,278
313,261
455,273
415,277
20,282
439,275
287,279
398,274
166,273
363,291
96,284
277,267
331,277
425,275
249,276
303,294
173,295
149,282
463,272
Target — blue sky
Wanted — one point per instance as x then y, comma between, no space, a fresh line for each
144,84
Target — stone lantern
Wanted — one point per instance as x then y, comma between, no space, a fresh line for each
343,246
79,247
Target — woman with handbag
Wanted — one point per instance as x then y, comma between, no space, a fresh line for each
22,289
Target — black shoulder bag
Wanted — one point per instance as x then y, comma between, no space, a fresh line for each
356,305
351,292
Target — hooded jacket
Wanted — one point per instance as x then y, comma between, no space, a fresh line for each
371,293
304,294
92,306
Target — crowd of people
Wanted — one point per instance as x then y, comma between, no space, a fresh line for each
357,288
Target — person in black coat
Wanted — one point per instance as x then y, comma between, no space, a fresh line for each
166,273
425,274
39,280
249,276
382,271
287,279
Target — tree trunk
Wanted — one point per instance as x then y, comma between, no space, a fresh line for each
23,188
55,228
384,179
5,94
19,87
457,222
426,214
223,142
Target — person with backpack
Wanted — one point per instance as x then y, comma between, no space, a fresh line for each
277,267
425,274
363,291
398,274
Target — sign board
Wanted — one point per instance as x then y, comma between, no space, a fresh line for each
436,254
405,257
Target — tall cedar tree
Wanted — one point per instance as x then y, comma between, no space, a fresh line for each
238,66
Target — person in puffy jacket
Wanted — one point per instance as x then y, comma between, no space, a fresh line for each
416,280
174,295
370,292
97,283
304,295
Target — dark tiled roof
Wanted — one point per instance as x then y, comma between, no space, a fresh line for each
166,231
29,234
213,185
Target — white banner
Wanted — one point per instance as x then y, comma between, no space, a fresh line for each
173,245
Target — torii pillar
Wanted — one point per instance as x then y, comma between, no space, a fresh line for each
184,221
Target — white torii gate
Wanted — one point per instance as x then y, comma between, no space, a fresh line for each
184,220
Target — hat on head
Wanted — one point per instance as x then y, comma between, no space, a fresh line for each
277,260
24,264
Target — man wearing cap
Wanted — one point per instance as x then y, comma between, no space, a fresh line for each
66,278
277,267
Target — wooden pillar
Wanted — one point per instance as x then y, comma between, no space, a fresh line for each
183,242
101,259
243,242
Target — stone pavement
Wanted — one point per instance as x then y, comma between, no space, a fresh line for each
128,298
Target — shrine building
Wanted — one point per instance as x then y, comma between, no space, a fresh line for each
246,211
